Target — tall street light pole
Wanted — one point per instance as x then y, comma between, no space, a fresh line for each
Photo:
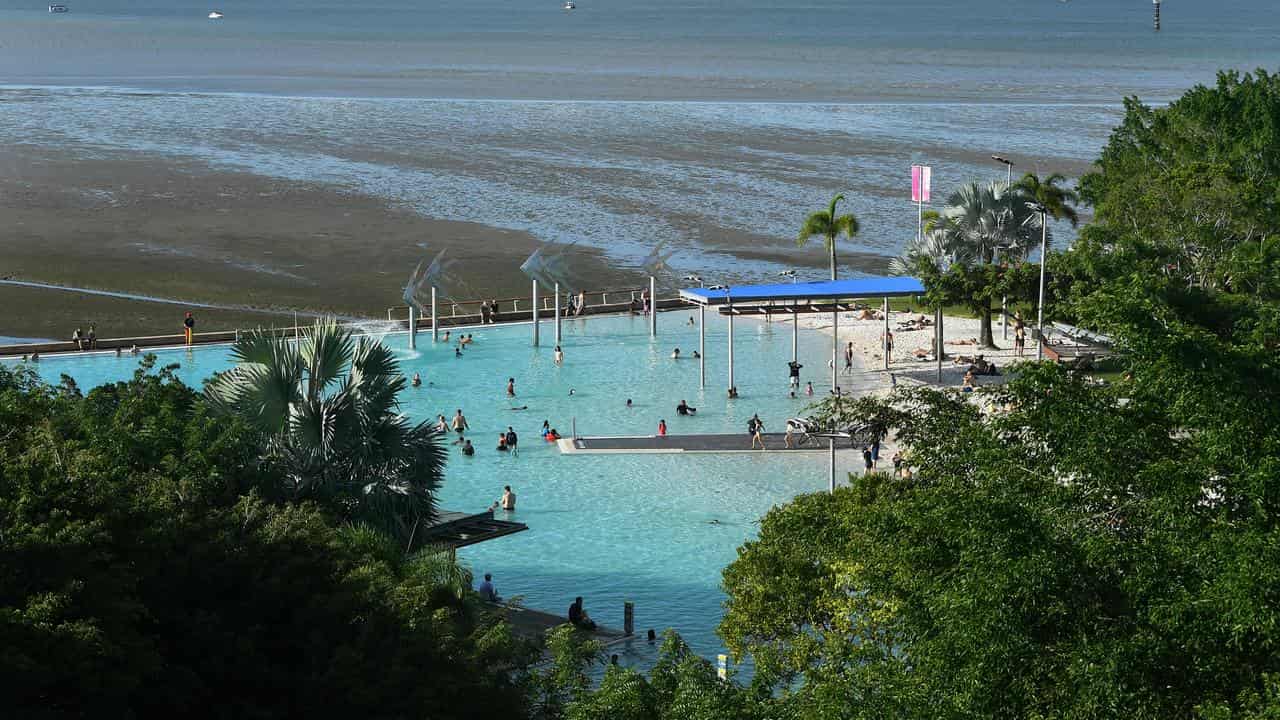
1004,299
795,316
1044,260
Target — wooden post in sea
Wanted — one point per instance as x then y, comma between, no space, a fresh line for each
628,618
1157,18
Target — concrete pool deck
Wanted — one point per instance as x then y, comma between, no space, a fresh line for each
654,445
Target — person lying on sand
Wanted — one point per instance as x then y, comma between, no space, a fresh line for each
966,341
921,354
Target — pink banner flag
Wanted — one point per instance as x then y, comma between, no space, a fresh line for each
921,183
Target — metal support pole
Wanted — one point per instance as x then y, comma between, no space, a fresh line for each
938,340
413,328
835,344
831,478
1044,260
535,313
557,308
702,346
653,306
435,318
1004,315
731,385
795,330
886,334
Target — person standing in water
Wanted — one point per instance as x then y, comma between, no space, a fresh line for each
188,327
559,356
511,387
460,422
794,368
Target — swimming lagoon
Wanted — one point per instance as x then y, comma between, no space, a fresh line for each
655,530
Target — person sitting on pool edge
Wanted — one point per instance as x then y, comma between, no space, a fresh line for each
578,616
684,409
487,591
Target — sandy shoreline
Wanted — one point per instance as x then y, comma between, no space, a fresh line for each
179,230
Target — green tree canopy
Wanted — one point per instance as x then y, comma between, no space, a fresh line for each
138,580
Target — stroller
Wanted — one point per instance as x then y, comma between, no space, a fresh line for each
801,431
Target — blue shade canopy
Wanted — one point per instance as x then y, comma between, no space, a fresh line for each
828,290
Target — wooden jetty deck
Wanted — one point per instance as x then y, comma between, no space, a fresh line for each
458,529
652,444
534,624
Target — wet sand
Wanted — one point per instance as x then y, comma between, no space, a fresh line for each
171,229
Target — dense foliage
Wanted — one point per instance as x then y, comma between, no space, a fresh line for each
142,576
1067,548
326,409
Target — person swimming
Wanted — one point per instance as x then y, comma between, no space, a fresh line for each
684,409
675,354
417,380
467,448
457,352
629,402
502,443
446,336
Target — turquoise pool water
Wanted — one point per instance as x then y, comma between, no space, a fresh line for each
609,527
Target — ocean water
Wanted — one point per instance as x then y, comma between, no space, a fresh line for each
612,528
710,126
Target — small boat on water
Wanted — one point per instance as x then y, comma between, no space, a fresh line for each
215,15
570,5
58,8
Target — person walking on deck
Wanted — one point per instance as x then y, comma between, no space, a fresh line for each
188,327
755,426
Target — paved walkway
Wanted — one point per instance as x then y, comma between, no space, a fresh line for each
652,444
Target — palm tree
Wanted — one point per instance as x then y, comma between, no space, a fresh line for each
1056,200
828,226
979,222
326,408
986,222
